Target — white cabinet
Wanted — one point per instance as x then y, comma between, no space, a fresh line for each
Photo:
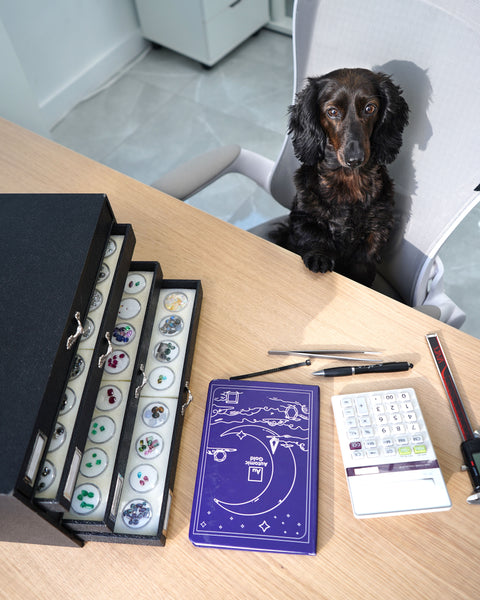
205,30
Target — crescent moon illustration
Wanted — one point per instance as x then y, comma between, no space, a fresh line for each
280,482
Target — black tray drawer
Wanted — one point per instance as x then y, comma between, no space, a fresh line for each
59,471
144,473
116,393
51,248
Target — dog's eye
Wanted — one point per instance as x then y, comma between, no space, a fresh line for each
370,108
333,113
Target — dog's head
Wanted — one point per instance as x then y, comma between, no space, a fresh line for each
348,118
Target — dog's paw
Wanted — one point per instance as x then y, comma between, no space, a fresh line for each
317,262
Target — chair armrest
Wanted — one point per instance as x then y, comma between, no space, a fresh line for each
192,176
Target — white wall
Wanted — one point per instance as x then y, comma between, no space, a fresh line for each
17,102
67,48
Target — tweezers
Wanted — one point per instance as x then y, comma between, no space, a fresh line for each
333,354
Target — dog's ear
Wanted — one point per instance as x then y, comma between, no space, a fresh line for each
308,137
387,136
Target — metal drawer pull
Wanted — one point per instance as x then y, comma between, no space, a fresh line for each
190,398
103,358
139,389
80,329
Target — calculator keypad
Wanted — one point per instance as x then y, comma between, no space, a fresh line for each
382,425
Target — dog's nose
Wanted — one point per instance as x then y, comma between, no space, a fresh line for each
354,162
354,154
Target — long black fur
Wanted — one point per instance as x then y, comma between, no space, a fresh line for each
345,127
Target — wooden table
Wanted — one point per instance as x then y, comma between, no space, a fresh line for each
256,297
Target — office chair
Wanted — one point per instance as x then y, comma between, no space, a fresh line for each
431,48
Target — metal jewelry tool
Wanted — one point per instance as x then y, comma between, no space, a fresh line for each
470,446
333,354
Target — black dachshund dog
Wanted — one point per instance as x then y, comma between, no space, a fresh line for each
345,127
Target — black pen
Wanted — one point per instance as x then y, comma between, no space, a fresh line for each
306,363
389,367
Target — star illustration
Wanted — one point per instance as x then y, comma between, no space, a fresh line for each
264,526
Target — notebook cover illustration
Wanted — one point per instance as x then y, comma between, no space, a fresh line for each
257,477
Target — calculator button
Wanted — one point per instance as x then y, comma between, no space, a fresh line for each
357,454
390,451
353,433
402,441
370,444
364,421
367,431
398,429
406,406
351,422
380,419
362,407
355,445
348,411
404,450
420,449
384,430
396,418
379,409
417,439
373,453
413,427
346,402
387,442
410,417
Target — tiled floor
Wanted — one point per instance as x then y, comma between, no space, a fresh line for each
166,109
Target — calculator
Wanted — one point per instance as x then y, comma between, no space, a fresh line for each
390,463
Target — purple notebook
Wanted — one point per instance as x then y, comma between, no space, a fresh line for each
257,476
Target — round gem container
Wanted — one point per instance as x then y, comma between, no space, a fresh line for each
123,334
96,300
171,325
77,367
110,248
166,351
129,308
175,301
137,513
86,498
143,478
68,402
109,397
149,445
47,476
117,362
103,274
88,329
101,429
94,462
161,378
135,283
58,437
155,414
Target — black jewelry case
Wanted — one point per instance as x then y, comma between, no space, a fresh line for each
62,296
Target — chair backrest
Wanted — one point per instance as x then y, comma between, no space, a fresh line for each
431,48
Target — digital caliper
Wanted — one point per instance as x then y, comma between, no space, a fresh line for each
471,441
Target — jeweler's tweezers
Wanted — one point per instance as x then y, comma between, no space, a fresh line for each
333,354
